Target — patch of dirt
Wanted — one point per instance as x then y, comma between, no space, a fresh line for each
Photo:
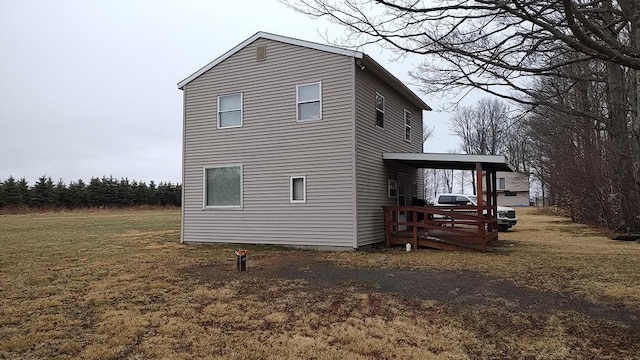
452,288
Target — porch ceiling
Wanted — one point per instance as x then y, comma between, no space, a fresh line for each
451,161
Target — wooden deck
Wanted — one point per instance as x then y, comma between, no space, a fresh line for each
442,227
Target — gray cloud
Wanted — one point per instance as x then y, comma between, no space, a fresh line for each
89,88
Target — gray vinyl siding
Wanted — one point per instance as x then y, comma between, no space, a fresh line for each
272,146
371,171
515,182
521,199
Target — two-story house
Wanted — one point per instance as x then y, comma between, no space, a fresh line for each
284,142
512,188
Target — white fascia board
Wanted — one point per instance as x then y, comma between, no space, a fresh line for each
445,157
396,83
274,37
498,159
310,44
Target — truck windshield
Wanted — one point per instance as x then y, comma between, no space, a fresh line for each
473,199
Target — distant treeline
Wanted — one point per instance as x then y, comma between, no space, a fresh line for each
99,192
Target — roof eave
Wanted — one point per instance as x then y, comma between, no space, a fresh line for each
395,82
274,37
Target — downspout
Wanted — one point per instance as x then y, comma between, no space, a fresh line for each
354,174
184,131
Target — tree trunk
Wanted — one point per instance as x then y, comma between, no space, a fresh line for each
620,159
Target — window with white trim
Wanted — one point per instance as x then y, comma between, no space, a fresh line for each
379,111
230,110
502,183
392,188
298,189
223,187
407,125
309,101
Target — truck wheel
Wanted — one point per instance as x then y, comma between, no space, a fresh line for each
503,228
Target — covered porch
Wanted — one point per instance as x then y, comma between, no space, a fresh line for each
448,227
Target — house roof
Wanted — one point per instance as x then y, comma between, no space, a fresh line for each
366,60
451,161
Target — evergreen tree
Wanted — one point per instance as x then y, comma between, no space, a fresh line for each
124,193
140,193
43,193
61,195
25,191
152,197
110,188
78,195
100,192
178,195
3,201
11,194
95,193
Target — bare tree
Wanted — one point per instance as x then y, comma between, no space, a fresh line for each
483,43
550,56
580,160
483,127
499,46
488,128
427,132
432,181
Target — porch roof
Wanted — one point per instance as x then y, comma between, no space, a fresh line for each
451,161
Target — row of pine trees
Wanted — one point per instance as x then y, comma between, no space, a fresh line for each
99,192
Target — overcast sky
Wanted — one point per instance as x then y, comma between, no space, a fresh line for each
89,88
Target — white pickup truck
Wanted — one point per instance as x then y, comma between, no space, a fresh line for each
506,215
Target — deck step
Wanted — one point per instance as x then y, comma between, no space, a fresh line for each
436,243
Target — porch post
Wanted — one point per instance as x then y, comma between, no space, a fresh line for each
490,213
494,194
387,227
481,227
479,185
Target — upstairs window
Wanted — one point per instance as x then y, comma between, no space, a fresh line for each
309,102
407,125
230,111
502,183
379,111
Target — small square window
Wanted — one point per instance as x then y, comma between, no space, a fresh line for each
309,102
298,189
407,125
230,110
379,111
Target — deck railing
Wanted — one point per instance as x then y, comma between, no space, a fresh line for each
442,227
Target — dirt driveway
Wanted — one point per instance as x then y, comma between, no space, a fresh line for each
455,289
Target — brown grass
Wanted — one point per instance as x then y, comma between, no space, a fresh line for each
543,252
115,284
